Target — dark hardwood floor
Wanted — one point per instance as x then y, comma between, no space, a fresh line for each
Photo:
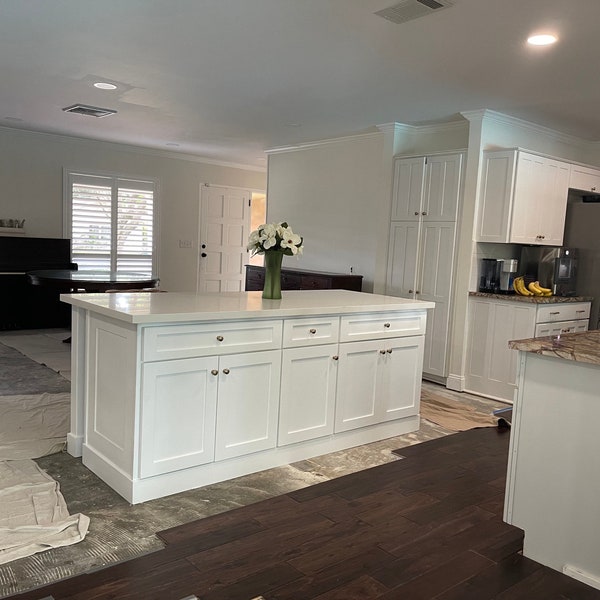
425,527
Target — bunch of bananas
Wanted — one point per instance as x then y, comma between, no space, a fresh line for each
533,289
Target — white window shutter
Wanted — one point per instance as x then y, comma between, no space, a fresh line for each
112,223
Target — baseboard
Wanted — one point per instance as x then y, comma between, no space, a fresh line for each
455,383
74,445
587,578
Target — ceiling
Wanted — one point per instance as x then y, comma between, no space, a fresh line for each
228,79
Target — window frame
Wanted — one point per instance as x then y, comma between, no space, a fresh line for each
68,178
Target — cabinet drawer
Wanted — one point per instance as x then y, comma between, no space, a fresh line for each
209,339
310,282
560,327
563,312
584,179
309,332
381,325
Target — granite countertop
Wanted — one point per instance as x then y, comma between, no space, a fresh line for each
579,347
532,299
176,307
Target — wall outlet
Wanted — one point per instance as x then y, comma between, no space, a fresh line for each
185,243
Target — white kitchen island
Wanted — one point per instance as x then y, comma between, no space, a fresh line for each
553,481
172,391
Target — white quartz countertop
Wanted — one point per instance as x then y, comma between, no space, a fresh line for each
173,307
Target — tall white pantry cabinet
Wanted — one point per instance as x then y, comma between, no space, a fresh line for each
426,194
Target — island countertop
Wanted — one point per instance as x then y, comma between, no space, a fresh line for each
173,307
579,347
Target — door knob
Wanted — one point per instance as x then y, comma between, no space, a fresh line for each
203,255
203,246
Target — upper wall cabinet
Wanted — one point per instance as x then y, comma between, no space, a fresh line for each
523,198
426,188
585,179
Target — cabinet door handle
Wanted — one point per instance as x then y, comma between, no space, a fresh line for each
214,372
312,331
336,357
416,213
424,213
226,371
220,338
389,350
387,325
593,189
580,311
382,352
555,313
411,291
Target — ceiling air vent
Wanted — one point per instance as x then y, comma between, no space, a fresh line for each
89,111
412,9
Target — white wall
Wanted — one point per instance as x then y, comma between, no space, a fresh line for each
331,194
31,184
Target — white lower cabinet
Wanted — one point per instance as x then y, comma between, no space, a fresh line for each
247,403
178,415
378,380
491,368
307,407
197,410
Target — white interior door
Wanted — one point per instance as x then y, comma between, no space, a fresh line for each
224,230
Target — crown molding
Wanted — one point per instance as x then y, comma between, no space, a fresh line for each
326,142
117,146
503,119
396,128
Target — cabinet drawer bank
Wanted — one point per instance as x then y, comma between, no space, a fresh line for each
175,391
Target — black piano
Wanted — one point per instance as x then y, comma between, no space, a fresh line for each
22,305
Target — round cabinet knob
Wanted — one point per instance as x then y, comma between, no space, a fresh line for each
389,350
416,213
417,292
424,213
226,371
336,357
387,325
382,352
313,331
214,372
594,189
220,338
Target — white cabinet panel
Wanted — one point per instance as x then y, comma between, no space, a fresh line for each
310,332
422,249
409,185
248,400
563,312
585,179
381,325
370,375
403,258
442,187
523,198
178,416
561,327
307,399
209,339
491,366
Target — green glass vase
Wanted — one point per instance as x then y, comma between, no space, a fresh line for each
272,287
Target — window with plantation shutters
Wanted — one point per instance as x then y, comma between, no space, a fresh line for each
111,223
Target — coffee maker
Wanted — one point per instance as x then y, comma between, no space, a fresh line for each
489,276
508,272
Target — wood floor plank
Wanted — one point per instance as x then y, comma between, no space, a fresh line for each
428,526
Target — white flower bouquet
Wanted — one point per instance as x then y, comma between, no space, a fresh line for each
275,237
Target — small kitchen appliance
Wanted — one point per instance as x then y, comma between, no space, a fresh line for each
554,268
508,272
489,276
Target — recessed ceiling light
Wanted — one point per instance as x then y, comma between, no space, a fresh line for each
544,39
103,85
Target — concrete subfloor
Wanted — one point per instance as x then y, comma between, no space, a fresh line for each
119,531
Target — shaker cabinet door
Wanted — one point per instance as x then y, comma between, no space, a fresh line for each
408,189
178,415
248,402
